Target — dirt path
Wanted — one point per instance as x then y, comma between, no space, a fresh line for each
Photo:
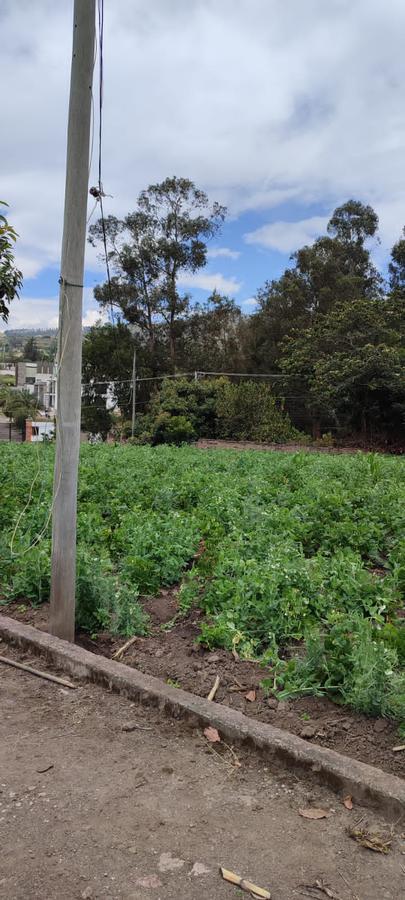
153,811
174,655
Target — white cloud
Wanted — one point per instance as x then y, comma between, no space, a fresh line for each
93,316
306,105
250,303
34,312
223,251
288,236
210,282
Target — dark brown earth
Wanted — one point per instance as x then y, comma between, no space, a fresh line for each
348,446
90,809
174,656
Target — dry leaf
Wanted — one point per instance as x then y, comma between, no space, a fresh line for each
251,696
348,802
212,735
314,813
372,840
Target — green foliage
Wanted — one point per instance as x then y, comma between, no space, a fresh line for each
149,249
96,418
248,411
196,400
107,357
349,664
349,366
293,547
10,276
330,324
169,429
102,603
397,266
30,350
394,636
216,408
18,405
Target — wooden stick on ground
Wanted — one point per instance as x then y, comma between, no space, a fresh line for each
120,652
245,885
46,675
214,689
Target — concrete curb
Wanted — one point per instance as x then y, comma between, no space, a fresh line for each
366,784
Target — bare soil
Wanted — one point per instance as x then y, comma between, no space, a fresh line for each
348,446
101,799
174,655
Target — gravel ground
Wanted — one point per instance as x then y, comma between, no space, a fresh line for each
100,798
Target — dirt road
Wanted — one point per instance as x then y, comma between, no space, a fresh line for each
91,810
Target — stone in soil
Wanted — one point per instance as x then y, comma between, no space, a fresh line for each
308,732
272,703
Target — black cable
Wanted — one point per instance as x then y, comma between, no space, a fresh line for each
100,13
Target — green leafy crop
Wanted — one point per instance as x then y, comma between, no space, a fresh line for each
299,550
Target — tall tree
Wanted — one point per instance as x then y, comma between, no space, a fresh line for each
10,275
150,248
349,367
107,360
335,269
30,350
396,267
212,338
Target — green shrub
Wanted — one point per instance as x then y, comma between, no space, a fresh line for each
248,412
216,408
195,400
169,429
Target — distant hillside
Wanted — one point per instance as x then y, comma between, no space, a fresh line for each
15,338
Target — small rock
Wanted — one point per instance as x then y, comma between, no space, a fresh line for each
272,703
87,893
308,732
129,726
150,881
380,725
168,863
346,726
199,869
159,653
214,657
283,706
197,666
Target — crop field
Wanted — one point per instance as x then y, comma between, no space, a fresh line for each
296,559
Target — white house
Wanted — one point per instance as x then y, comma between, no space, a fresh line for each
39,430
39,379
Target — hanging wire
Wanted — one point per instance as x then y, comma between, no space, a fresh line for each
100,16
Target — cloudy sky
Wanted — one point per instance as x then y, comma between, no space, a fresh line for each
281,109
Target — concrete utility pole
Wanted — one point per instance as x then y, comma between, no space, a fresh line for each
133,393
63,583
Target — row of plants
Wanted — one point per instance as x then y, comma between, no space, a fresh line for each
304,562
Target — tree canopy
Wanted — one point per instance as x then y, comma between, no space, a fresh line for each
331,328
10,275
150,248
